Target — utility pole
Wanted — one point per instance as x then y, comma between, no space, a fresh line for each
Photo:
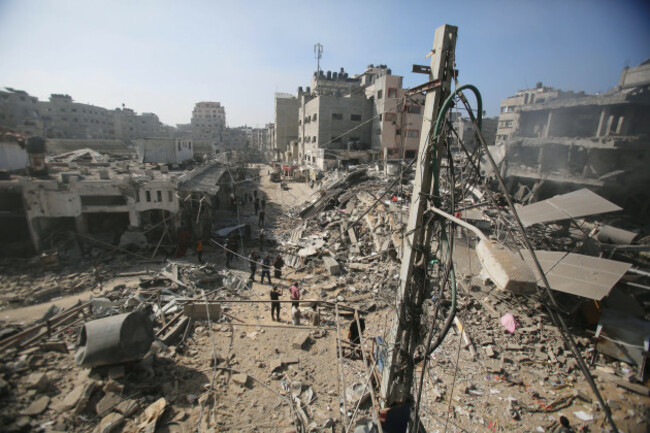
403,338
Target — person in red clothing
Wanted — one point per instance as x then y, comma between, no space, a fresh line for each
294,291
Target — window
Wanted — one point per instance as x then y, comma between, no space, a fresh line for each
392,92
389,117
380,94
398,132
148,195
355,117
299,122
189,144
159,195
314,117
378,131
410,154
313,139
179,146
337,116
412,133
505,124
414,109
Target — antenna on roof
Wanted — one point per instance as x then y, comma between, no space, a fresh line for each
318,51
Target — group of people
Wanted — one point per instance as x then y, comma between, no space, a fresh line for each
266,264
259,204
312,314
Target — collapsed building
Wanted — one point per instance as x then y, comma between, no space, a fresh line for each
88,193
556,141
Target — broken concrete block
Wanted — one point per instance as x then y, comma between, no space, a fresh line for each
110,422
240,379
489,352
38,381
301,341
331,265
127,407
290,360
78,398
38,406
107,403
276,364
116,372
514,346
55,346
200,311
113,386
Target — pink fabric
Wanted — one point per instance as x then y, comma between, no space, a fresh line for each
295,292
509,322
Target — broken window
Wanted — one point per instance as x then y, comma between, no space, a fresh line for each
355,117
414,109
380,94
392,92
389,117
159,194
412,133
148,195
315,116
380,117
337,116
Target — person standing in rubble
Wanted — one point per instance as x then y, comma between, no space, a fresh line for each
266,268
199,250
294,293
98,279
263,206
252,258
277,266
312,315
261,218
275,306
229,254
256,205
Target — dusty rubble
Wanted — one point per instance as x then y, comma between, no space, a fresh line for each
219,362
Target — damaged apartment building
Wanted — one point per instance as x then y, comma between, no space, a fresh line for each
97,194
551,141
347,120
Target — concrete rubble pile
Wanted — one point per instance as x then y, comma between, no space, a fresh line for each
351,242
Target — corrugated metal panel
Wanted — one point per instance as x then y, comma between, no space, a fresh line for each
586,276
572,205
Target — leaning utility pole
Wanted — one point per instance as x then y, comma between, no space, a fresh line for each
403,338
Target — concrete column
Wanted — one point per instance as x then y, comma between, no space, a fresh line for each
547,129
540,159
134,218
33,233
585,171
601,122
608,127
79,224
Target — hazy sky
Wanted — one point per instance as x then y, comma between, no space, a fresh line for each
163,56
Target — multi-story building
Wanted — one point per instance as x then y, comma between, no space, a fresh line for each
467,134
511,106
20,112
63,118
208,121
596,141
286,108
396,120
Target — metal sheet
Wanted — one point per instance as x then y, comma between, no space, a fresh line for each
589,277
572,205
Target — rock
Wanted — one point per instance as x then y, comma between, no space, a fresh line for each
107,403
110,422
113,386
38,406
38,381
240,379
127,407
301,341
489,352
78,398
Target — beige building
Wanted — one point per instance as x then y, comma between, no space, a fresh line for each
286,107
208,121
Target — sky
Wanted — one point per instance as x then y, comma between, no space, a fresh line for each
164,56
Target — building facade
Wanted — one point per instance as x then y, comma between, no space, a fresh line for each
208,121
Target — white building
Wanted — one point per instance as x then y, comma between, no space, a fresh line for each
164,150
